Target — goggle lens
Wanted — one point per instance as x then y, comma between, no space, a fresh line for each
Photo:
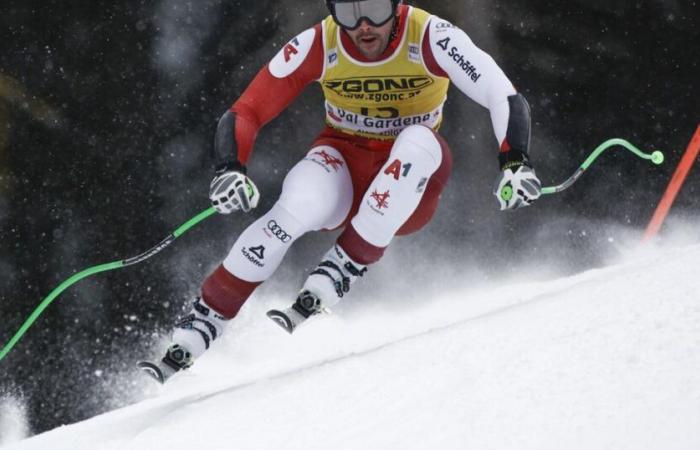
349,15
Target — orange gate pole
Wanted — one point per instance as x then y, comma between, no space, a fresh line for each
674,186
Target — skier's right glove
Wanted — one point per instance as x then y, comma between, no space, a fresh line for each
231,190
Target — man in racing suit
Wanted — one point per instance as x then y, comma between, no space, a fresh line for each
375,171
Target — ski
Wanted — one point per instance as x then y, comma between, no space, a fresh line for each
176,359
152,370
284,319
306,305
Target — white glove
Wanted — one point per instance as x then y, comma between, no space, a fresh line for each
231,191
517,188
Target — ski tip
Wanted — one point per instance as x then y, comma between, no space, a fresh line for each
152,370
282,320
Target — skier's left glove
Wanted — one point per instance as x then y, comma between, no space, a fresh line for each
231,190
517,186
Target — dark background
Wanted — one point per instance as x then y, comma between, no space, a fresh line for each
107,113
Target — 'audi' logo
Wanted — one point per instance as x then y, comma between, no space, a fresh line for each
278,231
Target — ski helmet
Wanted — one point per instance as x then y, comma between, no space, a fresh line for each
349,14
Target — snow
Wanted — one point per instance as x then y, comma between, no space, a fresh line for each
13,420
606,359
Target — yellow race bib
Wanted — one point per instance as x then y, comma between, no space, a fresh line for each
378,100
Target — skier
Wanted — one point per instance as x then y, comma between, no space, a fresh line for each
376,170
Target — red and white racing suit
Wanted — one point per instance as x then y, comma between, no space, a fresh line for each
379,166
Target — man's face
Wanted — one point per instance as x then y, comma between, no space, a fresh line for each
371,40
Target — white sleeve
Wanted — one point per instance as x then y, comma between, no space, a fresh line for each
472,71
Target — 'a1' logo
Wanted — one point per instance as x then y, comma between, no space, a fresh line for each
396,167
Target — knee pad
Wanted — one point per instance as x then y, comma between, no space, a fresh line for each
318,189
396,192
418,141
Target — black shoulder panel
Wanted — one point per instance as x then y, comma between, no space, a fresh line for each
518,134
225,150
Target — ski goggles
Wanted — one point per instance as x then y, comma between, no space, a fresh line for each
350,14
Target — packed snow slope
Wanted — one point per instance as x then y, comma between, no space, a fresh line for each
608,359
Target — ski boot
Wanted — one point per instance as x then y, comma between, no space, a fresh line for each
176,359
305,306
324,288
192,337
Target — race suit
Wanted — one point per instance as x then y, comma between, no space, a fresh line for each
378,168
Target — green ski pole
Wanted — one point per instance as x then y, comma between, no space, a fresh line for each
656,157
102,268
